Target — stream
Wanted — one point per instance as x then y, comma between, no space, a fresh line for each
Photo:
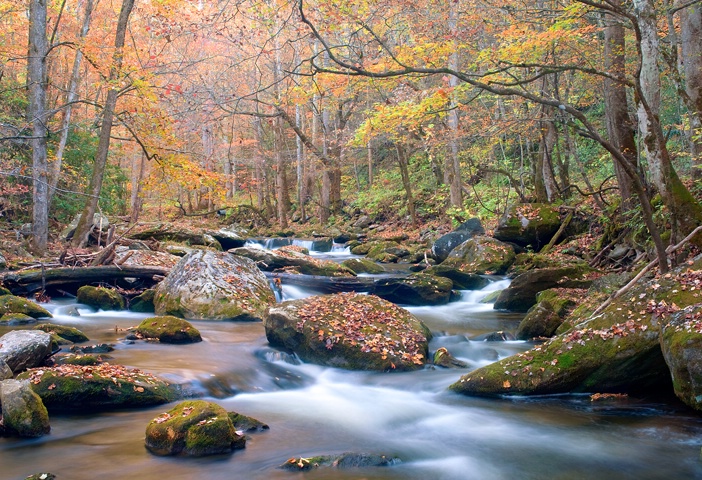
315,410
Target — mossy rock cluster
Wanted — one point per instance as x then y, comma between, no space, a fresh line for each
101,298
362,265
168,329
552,307
66,334
524,262
481,255
214,286
351,331
386,251
528,225
10,304
415,289
77,387
193,428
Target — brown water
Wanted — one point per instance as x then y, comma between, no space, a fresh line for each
315,410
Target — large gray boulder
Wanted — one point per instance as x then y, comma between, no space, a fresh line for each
445,244
22,349
351,331
481,255
207,285
23,413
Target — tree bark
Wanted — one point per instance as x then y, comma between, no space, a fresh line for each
691,52
80,238
404,173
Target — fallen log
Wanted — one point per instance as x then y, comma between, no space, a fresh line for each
29,281
324,284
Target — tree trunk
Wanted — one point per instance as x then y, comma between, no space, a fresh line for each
404,173
452,167
137,175
619,125
80,238
548,187
691,52
36,79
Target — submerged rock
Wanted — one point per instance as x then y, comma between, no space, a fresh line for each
101,298
23,413
481,255
344,461
76,387
352,331
22,349
208,285
194,428
168,329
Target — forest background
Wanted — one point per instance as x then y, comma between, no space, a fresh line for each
304,113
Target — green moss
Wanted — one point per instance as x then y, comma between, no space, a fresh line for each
168,329
67,333
101,298
13,304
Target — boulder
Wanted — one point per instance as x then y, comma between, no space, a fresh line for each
143,303
342,461
173,233
168,329
15,319
544,318
445,244
528,224
231,236
101,298
681,343
193,428
146,257
242,423
100,223
13,304
289,259
520,296
351,331
69,334
481,255
5,370
461,280
3,264
415,289
22,349
77,387
443,358
362,265
23,413
363,221
531,261
386,251
207,285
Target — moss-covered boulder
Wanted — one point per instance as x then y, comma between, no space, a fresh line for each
208,285
22,349
168,329
544,318
443,246
143,303
69,334
528,224
481,255
292,260
386,251
616,351
77,387
351,331
415,289
3,290
520,296
78,359
531,261
461,280
14,304
14,319
23,413
362,265
193,428
681,342
101,298
343,461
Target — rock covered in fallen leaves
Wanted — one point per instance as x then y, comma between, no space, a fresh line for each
351,331
74,387
344,461
681,342
616,351
481,255
69,334
520,296
528,224
14,304
292,260
145,258
23,413
101,298
168,329
415,289
207,285
193,428
22,349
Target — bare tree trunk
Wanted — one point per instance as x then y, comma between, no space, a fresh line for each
370,164
36,79
691,50
403,161
80,238
300,167
70,98
544,170
137,175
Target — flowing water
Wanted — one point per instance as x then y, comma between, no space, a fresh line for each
315,410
